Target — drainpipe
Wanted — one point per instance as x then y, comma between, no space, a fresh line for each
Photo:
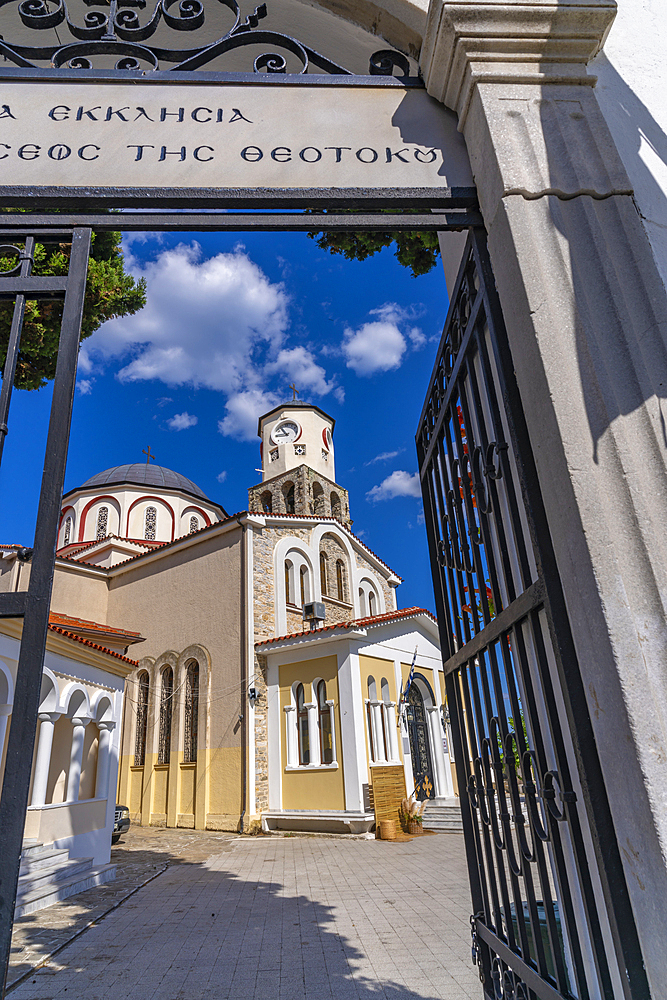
244,669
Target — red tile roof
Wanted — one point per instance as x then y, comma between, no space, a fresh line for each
65,621
75,547
93,645
389,616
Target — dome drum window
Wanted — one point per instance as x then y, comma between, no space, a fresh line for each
194,524
150,524
102,523
68,531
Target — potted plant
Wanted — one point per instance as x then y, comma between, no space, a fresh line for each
410,814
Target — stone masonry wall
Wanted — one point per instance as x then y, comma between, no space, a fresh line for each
306,499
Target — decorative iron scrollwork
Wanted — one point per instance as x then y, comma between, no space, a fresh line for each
119,31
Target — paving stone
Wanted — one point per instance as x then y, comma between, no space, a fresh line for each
265,918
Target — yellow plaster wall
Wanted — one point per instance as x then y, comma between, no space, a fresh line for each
303,788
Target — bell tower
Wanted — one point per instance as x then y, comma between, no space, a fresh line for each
298,468
295,434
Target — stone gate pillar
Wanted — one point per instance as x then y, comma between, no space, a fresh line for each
586,314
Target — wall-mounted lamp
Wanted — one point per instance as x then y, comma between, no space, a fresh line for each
253,695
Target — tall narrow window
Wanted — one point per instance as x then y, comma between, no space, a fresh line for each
302,723
369,718
102,522
288,589
318,499
340,580
266,501
362,603
323,573
371,602
166,705
150,523
335,505
191,712
324,715
194,524
302,578
288,493
142,719
68,531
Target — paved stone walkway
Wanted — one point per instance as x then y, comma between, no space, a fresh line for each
280,918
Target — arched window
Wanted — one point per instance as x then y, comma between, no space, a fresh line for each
142,720
323,573
335,505
288,587
324,716
150,523
372,696
102,522
288,493
194,524
303,581
362,603
266,501
191,712
302,724
318,499
340,580
68,531
371,602
166,705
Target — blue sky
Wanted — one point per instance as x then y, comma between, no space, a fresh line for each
231,320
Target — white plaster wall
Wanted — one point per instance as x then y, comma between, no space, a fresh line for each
632,91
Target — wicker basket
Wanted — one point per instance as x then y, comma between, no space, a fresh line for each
414,827
388,829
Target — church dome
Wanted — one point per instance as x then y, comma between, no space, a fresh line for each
142,474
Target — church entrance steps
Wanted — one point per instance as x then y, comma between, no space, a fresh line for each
48,875
443,816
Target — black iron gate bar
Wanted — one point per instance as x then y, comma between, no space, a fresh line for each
229,221
486,523
33,604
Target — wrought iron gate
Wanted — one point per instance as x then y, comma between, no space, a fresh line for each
551,912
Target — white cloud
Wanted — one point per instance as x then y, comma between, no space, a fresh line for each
243,412
417,338
206,322
221,476
299,365
398,484
385,456
377,346
181,421
85,386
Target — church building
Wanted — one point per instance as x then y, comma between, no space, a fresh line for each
273,653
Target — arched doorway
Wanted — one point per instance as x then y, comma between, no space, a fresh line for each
420,750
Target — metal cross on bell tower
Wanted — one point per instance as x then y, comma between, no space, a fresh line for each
147,453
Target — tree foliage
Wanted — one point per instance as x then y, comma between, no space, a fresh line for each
417,250
110,292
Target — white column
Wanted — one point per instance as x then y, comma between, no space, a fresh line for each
437,751
43,760
291,735
313,733
392,731
103,759
76,757
334,756
380,749
5,712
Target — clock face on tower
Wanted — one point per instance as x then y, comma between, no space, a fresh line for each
285,431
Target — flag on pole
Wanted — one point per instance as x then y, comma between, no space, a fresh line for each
404,693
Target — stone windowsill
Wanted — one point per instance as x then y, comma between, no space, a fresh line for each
161,767
187,765
312,767
336,602
136,767
385,763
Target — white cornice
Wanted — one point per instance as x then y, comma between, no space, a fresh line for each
509,42
73,650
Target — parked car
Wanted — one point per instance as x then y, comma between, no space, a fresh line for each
121,823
